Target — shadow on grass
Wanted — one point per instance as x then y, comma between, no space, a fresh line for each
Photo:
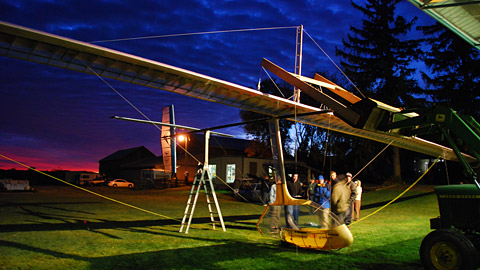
228,254
71,222
393,256
401,199
49,205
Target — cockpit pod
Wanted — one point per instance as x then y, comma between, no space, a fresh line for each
303,223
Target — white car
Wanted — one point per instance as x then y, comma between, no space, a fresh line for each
120,183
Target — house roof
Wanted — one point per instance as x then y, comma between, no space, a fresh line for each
224,142
151,162
120,154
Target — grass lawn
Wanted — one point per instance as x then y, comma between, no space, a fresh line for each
64,228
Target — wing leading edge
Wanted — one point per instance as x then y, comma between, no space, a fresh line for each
40,47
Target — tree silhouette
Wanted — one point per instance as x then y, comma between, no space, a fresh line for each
377,57
454,64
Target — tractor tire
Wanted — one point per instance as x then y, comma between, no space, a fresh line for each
446,249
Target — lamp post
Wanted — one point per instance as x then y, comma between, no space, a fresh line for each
185,150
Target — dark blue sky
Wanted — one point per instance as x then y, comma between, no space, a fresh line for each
53,118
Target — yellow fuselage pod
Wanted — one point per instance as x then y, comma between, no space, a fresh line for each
324,239
312,238
284,198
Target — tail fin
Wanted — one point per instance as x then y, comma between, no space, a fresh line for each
168,141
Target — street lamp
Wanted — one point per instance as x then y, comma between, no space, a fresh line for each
185,138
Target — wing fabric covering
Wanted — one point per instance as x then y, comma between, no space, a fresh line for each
40,47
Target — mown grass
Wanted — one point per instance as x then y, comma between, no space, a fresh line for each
62,228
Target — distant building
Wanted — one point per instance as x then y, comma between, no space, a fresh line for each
48,178
229,159
127,163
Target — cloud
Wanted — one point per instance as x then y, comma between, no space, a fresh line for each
60,118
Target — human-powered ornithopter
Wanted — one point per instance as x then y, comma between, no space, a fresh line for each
362,117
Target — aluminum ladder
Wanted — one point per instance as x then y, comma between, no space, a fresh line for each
202,178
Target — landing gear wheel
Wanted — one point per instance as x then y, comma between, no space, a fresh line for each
446,249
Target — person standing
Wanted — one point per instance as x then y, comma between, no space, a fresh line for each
333,178
295,190
311,190
322,194
342,198
186,173
265,189
297,187
274,209
357,204
353,194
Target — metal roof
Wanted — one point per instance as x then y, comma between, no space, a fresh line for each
460,16
36,46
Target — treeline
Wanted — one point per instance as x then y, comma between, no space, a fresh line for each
381,59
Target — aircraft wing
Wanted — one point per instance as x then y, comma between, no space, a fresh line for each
460,16
36,46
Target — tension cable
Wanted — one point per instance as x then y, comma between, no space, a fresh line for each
335,64
401,194
86,190
385,148
195,33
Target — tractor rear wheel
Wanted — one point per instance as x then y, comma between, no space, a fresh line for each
446,249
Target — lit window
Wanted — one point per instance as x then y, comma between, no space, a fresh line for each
213,170
230,173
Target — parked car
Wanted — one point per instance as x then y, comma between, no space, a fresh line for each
120,183
249,193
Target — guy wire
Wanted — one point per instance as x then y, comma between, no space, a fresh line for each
195,33
401,194
278,88
335,64
119,94
372,160
86,190
146,117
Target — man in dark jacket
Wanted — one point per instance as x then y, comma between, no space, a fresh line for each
353,193
295,190
343,195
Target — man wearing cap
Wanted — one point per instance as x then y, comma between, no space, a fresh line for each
343,195
353,194
322,196
322,192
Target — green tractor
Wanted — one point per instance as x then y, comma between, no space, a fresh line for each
455,241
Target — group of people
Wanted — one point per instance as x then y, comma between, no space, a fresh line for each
340,194
346,197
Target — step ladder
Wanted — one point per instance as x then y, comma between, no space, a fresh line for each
202,178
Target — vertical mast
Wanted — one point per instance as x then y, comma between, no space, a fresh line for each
298,60
298,71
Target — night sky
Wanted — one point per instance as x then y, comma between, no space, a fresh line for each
53,118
